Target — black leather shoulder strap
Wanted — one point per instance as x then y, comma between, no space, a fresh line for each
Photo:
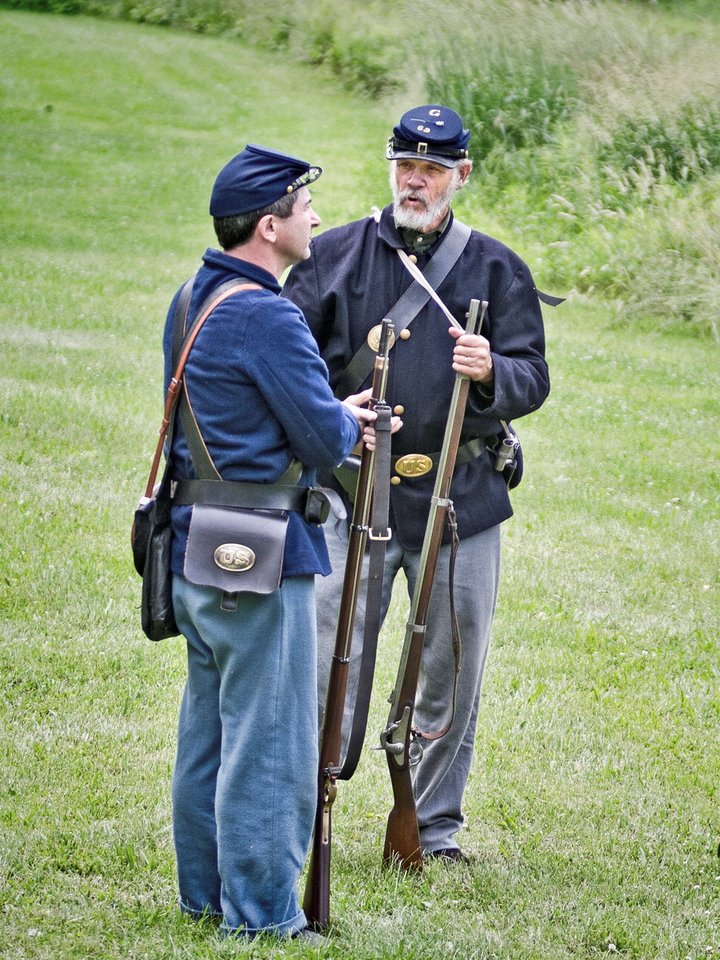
404,311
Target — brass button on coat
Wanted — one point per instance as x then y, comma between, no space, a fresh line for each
405,334
399,409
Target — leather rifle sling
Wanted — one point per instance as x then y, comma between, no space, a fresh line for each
378,535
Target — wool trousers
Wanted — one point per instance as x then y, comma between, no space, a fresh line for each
244,784
439,780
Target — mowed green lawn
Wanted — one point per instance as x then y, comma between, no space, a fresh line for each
592,808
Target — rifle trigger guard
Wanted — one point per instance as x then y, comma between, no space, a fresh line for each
385,742
396,748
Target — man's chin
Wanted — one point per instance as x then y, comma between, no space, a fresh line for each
411,219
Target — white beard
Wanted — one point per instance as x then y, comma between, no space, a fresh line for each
431,212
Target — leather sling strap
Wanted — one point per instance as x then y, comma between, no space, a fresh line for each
454,631
181,351
378,536
409,305
202,461
181,311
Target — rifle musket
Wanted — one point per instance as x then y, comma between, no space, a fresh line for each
402,838
317,890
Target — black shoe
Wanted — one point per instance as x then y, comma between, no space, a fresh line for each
452,854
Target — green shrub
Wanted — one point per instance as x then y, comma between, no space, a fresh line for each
48,6
593,142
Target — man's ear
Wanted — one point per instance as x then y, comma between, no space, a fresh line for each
464,173
266,228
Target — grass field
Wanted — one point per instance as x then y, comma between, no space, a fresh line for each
592,808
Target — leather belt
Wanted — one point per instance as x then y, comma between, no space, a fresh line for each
252,496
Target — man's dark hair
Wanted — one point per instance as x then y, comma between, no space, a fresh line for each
234,231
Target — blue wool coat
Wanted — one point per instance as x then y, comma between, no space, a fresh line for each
260,394
353,277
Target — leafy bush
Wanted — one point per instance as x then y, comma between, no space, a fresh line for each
588,140
48,6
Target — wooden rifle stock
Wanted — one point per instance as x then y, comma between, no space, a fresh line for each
403,751
316,902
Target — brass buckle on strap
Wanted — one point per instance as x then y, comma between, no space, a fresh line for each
380,536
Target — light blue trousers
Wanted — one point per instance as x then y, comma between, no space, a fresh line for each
244,785
440,778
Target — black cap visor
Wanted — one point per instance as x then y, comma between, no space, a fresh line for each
422,150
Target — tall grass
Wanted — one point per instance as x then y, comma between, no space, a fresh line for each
599,136
596,127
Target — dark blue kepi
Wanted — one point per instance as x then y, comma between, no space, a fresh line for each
257,177
431,132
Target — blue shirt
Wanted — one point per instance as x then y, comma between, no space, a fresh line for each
260,393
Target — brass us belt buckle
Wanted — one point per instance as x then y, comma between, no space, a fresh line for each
373,338
413,465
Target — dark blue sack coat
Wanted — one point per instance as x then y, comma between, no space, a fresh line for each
353,277
260,393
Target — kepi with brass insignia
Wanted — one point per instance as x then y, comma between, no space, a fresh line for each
430,132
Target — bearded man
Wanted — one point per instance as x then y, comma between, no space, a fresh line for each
354,278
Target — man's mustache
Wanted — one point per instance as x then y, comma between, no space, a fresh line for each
413,194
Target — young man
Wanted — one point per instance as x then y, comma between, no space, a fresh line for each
352,280
244,779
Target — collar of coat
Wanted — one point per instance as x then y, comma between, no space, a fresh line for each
406,239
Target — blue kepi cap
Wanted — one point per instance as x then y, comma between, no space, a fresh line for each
431,132
257,177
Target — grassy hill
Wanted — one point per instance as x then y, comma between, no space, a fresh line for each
592,809
596,127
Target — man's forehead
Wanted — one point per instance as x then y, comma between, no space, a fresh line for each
426,165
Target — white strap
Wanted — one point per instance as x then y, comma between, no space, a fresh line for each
419,276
